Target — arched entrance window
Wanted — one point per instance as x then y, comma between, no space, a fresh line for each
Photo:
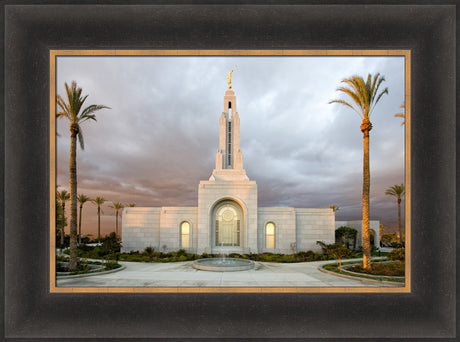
228,225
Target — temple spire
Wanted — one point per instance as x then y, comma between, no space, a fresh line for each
229,158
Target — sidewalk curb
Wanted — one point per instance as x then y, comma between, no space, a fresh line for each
383,282
90,274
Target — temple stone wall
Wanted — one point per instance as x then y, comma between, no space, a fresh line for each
170,222
140,228
285,232
157,227
314,225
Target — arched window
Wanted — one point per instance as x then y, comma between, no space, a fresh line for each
185,234
270,235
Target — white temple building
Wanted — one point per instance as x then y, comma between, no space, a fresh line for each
227,217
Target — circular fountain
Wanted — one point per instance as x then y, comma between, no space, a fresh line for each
223,264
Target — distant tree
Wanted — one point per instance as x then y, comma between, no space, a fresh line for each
63,196
364,95
117,206
60,220
72,111
344,234
397,191
99,201
131,205
82,199
389,238
334,207
338,251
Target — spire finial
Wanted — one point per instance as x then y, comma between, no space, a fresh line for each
230,78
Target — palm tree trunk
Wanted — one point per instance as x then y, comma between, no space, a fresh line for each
365,128
73,201
98,224
116,223
63,223
79,225
399,220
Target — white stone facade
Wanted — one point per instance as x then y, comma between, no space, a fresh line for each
227,218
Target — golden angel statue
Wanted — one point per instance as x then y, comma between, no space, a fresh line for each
230,78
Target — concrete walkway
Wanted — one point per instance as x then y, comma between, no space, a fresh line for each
182,274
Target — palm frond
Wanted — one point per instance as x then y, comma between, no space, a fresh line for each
385,91
98,200
91,109
356,97
395,190
83,198
63,195
116,205
72,108
80,138
363,93
354,91
346,104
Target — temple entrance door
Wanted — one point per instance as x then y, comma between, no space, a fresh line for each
228,219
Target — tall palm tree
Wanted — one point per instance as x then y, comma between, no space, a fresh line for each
397,191
99,201
62,197
72,110
402,114
117,206
364,95
82,199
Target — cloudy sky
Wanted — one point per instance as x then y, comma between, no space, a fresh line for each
160,137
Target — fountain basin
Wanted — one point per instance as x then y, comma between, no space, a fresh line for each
223,265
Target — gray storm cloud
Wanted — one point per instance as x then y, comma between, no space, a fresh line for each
161,135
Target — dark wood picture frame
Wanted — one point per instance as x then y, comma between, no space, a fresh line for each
31,30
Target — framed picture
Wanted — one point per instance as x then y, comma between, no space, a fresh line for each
35,34
256,230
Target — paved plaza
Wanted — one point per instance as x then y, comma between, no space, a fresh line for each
182,274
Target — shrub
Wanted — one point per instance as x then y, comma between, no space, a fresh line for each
111,265
149,250
111,244
383,269
287,258
181,252
397,254
308,256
